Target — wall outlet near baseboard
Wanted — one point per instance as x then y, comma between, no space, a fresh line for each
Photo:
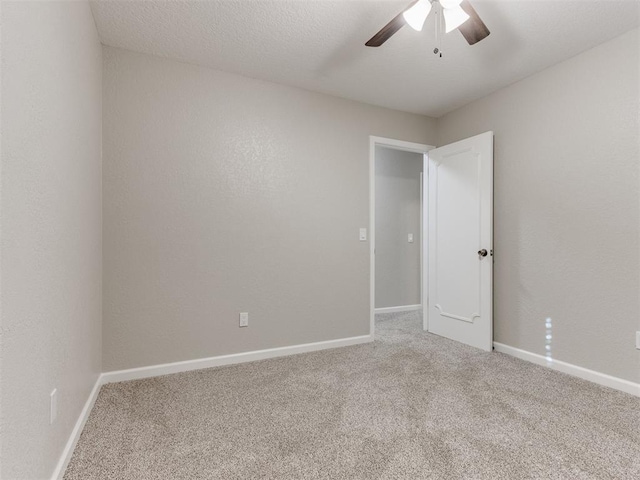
53,406
638,340
244,319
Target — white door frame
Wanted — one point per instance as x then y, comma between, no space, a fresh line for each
407,147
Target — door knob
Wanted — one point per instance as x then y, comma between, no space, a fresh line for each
482,253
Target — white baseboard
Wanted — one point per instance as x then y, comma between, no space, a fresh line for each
568,368
401,308
58,473
200,363
176,367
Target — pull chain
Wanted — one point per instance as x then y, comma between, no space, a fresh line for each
438,29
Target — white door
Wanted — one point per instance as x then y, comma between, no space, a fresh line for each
460,242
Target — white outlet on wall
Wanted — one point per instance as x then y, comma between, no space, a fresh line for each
410,238
53,406
244,319
363,234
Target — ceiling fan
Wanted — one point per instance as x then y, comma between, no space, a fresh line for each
457,14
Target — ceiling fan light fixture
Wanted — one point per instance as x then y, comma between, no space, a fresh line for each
450,3
454,17
417,14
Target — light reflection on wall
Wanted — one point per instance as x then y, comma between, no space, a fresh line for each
547,340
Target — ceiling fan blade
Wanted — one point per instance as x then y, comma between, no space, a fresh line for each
474,29
389,29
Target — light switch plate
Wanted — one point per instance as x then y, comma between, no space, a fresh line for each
410,238
244,319
363,234
638,340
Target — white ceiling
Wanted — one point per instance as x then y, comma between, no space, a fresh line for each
319,44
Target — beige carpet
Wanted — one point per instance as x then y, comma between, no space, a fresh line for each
411,405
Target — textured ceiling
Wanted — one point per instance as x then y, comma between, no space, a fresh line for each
319,44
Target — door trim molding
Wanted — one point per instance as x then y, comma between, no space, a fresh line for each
407,147
457,317
570,369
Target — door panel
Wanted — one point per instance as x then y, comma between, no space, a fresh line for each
460,225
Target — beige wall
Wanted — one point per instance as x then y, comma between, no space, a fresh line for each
51,227
224,194
397,190
566,206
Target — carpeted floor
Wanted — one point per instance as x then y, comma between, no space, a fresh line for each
410,405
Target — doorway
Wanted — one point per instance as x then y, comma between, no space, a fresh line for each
456,237
397,225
